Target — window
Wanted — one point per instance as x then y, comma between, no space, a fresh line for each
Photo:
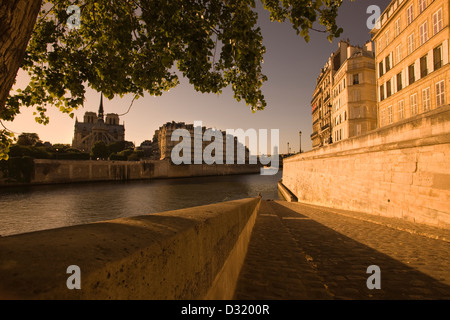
437,21
423,33
386,35
380,44
398,54
440,93
356,79
358,129
410,14
380,68
411,43
413,104
423,66
382,92
383,117
388,89
401,110
388,63
426,103
412,74
422,5
399,82
437,57
397,27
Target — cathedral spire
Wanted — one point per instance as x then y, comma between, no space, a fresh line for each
100,109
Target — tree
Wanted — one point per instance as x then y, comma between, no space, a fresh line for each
28,139
135,46
100,150
116,147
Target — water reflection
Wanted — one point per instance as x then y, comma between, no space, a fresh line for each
45,207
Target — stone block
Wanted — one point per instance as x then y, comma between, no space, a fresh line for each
402,178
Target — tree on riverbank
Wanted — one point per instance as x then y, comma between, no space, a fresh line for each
133,46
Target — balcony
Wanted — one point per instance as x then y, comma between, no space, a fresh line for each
325,126
360,65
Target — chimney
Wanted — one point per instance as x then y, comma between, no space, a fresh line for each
368,46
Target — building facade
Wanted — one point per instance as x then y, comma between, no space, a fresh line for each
162,145
336,94
413,72
354,110
96,127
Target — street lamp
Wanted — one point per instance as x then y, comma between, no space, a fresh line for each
300,134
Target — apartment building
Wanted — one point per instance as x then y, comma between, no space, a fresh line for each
354,110
412,59
322,100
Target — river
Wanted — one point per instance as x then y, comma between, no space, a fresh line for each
28,209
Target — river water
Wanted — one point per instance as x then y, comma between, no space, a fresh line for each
28,209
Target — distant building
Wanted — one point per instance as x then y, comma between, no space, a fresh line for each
354,101
95,128
413,71
347,77
162,145
322,98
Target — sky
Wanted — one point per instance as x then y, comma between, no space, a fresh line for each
291,65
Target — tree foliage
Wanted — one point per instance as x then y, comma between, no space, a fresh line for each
100,151
137,46
28,139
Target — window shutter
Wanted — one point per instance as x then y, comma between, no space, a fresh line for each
430,61
394,81
445,52
417,69
392,84
404,82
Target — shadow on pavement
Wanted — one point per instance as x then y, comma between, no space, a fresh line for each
325,258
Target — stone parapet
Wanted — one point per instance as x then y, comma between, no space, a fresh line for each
193,253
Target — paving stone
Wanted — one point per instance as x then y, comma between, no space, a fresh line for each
325,254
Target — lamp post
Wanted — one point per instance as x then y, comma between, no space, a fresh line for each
300,134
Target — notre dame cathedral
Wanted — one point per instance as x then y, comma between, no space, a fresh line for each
96,128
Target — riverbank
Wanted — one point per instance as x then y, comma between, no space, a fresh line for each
41,172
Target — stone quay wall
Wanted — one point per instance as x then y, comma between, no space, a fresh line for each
67,171
402,171
189,254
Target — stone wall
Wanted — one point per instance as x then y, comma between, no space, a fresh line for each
187,254
402,171
67,171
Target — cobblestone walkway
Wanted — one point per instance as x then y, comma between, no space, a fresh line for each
300,251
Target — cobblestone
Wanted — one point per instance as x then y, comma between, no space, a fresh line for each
305,252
